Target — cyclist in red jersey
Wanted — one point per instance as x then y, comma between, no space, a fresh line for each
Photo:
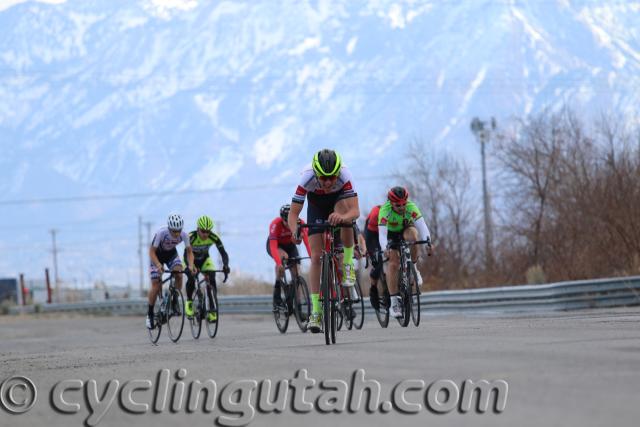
282,245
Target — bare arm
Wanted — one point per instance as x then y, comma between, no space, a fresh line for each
154,258
348,210
190,259
292,219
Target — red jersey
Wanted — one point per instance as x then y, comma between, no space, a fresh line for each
372,219
280,234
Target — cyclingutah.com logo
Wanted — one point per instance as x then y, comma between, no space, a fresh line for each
236,403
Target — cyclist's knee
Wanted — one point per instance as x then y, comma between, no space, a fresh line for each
315,259
410,233
394,260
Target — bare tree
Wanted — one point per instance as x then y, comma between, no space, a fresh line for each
442,185
531,159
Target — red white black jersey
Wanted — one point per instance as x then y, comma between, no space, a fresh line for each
309,183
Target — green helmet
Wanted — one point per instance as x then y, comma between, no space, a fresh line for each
326,163
205,223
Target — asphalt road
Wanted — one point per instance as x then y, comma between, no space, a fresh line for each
567,369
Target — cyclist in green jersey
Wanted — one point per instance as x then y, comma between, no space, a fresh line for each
399,219
201,240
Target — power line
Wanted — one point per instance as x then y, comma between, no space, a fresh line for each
73,199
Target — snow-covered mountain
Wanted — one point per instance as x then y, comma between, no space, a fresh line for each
123,97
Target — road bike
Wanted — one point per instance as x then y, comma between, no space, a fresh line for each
168,310
205,304
330,291
294,298
408,282
381,308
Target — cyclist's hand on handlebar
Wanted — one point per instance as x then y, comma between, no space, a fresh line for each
335,218
226,270
295,231
160,267
193,269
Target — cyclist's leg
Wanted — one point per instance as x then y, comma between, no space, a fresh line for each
393,267
207,269
318,210
175,265
279,271
346,236
154,291
277,286
291,252
191,281
411,234
191,285
373,248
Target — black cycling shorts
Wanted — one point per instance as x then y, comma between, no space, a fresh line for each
319,208
290,248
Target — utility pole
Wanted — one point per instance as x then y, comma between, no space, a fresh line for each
140,257
54,251
482,133
148,224
148,242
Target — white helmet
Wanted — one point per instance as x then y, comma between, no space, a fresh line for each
175,222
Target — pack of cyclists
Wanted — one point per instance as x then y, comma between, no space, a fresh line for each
327,186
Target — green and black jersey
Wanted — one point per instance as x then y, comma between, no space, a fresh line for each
201,246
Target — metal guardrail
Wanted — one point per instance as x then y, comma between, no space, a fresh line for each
575,295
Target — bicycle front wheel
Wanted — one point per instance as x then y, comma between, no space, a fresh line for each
301,304
382,313
213,317
415,295
335,295
154,334
196,320
357,306
280,310
405,298
175,314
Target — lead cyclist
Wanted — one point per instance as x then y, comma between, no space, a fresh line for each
327,184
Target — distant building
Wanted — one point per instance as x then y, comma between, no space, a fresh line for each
9,290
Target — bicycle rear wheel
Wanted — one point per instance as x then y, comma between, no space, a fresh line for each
281,311
301,304
382,313
212,325
154,334
175,316
196,320
415,295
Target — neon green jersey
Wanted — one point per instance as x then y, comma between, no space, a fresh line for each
396,222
